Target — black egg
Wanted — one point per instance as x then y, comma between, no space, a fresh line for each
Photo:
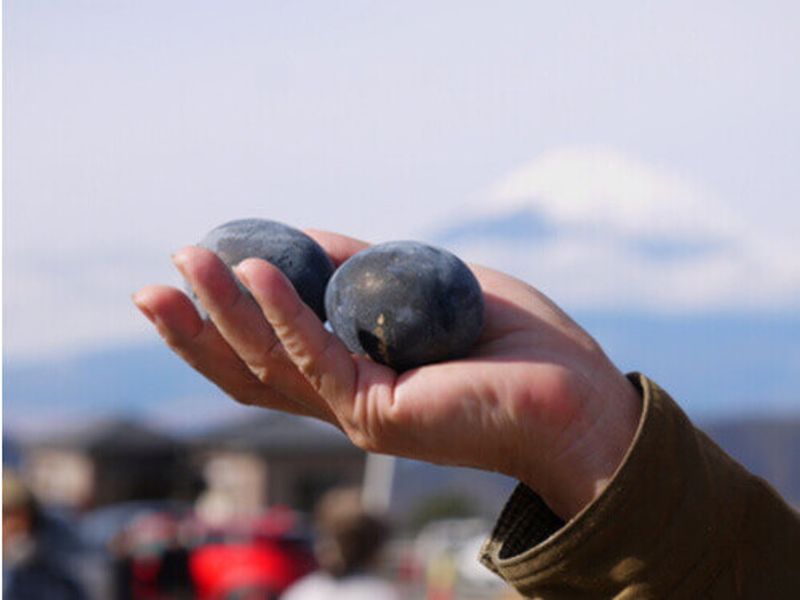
299,257
405,305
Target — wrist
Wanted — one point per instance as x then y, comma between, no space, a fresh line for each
593,447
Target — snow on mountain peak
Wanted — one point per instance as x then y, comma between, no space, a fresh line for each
603,188
599,229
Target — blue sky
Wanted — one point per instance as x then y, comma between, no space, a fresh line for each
131,128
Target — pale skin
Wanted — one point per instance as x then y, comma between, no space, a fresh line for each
537,399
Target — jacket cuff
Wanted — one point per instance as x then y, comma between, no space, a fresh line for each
662,518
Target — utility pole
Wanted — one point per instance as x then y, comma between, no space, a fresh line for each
376,493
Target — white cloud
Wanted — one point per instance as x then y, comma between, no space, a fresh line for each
75,299
609,214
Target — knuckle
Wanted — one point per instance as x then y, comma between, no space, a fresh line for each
362,440
263,363
398,417
310,363
312,359
263,373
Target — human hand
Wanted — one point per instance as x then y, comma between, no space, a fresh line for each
536,399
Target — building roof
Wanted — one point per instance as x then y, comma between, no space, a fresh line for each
112,435
275,432
264,431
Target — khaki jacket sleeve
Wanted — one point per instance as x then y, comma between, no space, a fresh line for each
680,519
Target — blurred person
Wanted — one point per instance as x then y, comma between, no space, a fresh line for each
619,494
348,544
39,551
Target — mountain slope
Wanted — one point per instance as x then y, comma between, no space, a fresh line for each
716,366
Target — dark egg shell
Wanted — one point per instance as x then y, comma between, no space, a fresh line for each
299,257
405,304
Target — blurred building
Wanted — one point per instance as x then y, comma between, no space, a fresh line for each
105,463
273,459
241,467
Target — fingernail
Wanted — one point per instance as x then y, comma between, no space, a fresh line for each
241,275
143,309
179,260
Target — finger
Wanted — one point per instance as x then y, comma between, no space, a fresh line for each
339,247
236,316
200,345
242,324
358,390
319,354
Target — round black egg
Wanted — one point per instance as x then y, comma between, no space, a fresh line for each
405,304
299,257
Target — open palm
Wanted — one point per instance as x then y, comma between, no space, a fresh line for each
535,399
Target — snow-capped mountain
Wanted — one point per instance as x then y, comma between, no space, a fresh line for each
597,229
